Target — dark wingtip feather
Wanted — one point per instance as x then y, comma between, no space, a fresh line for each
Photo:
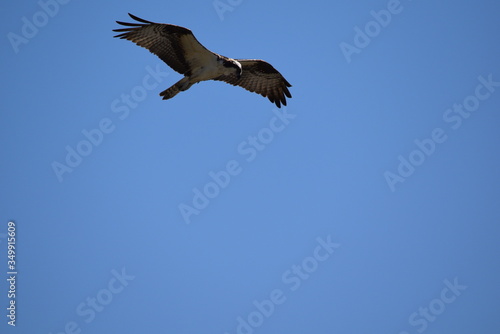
122,29
275,101
287,92
129,24
139,19
122,36
283,100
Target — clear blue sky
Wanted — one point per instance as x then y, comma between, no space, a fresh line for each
369,204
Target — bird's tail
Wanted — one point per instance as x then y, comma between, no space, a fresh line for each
178,87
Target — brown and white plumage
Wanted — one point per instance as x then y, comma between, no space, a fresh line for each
178,47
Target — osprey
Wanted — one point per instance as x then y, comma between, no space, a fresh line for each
178,47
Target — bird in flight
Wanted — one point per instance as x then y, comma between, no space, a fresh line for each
178,47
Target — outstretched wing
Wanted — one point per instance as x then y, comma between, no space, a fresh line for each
173,44
262,78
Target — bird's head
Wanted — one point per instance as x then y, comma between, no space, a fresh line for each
233,66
